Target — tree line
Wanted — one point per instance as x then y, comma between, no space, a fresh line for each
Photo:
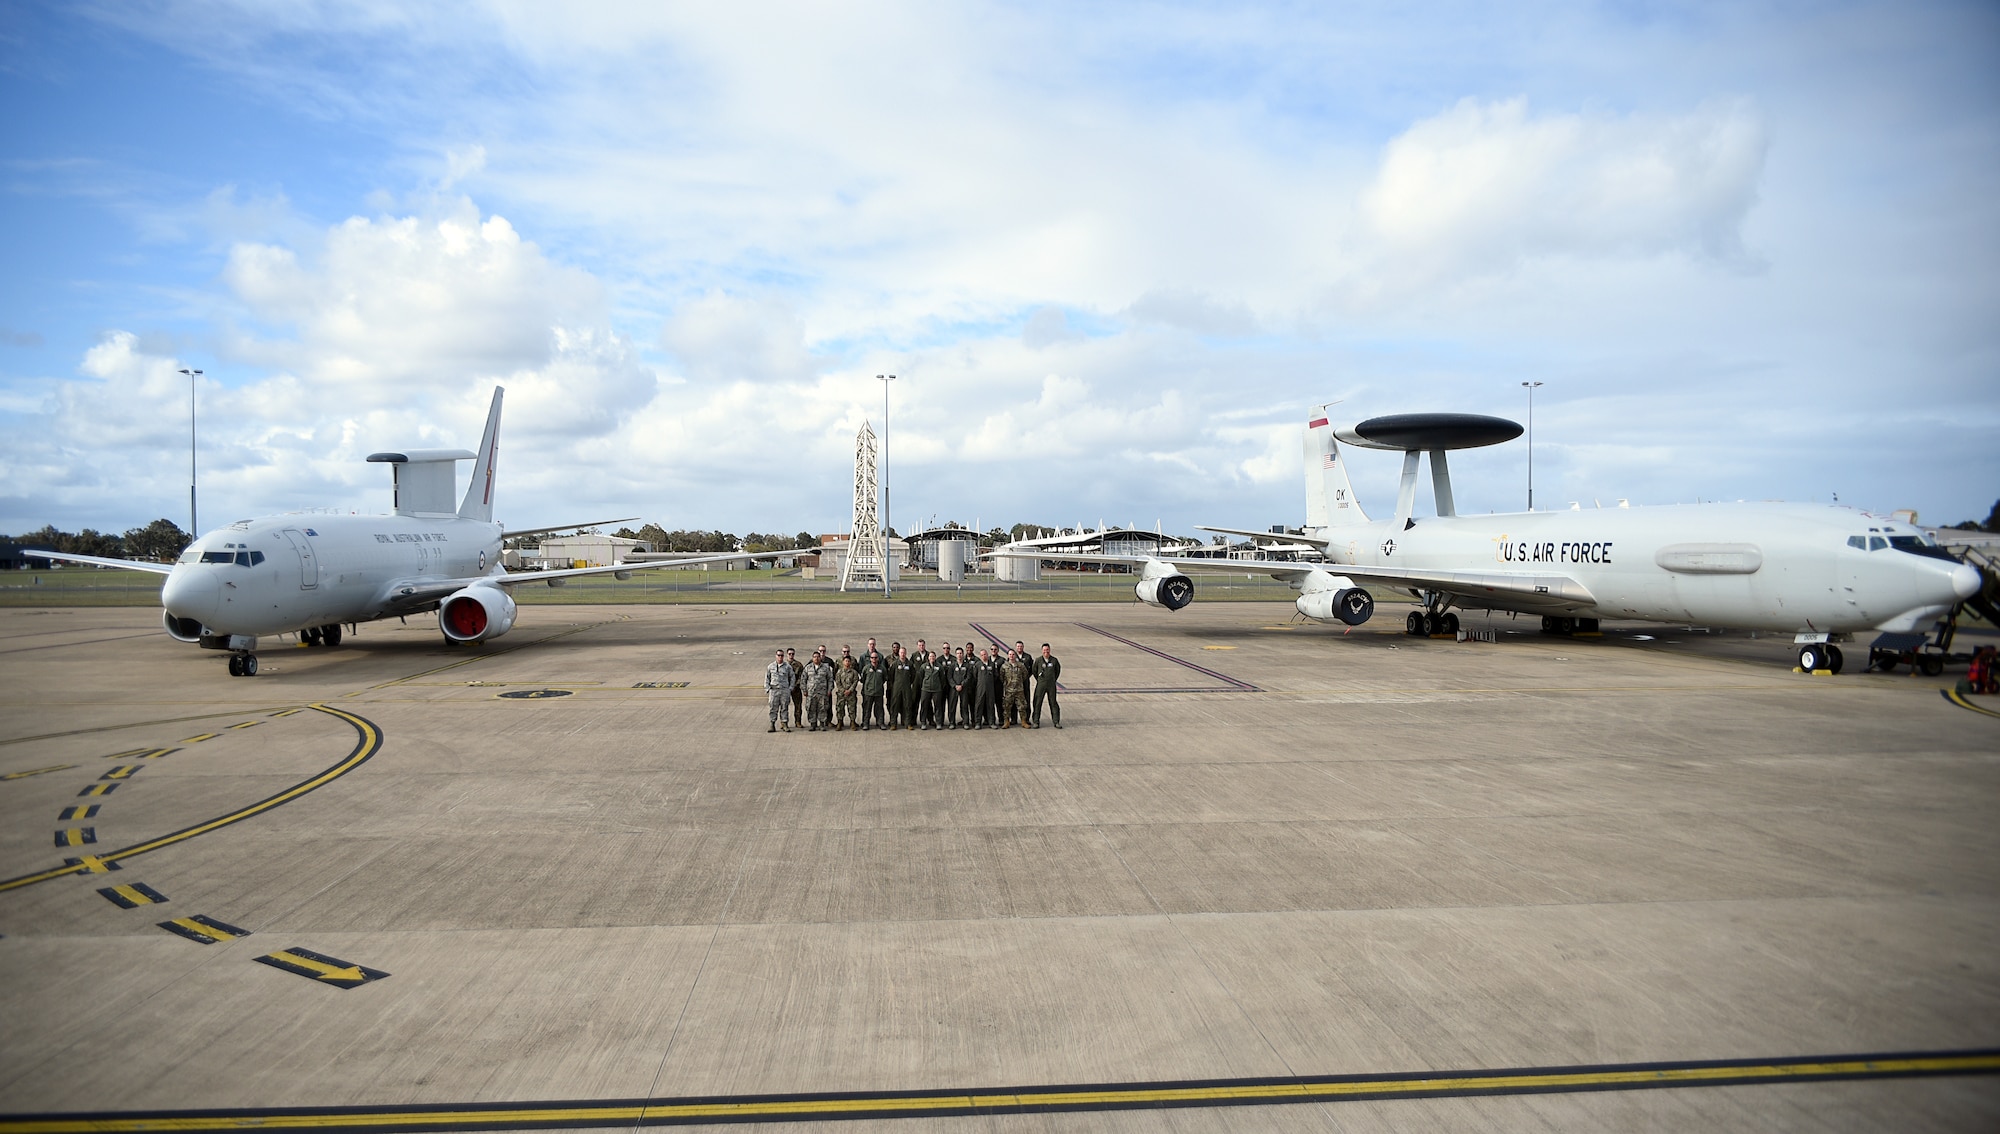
161,541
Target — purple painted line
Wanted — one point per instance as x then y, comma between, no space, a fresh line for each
1060,687
1239,686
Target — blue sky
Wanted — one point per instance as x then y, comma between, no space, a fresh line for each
1116,253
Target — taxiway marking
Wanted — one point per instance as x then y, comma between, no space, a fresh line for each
204,929
322,968
121,772
875,1106
132,895
79,811
366,745
202,737
98,789
1957,698
36,772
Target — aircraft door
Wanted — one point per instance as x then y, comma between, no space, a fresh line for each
308,563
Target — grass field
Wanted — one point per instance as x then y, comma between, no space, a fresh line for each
90,586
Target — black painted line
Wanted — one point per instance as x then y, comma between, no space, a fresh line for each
97,790
322,968
1957,698
79,811
877,1106
76,836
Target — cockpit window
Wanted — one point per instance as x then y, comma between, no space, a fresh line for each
240,558
1905,542
1877,543
1860,541
218,557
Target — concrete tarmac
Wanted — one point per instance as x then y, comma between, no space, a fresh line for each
1257,850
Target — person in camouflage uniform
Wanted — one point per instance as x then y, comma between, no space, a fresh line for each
819,693
1013,691
778,690
846,685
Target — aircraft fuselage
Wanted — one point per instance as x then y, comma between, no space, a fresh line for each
1780,567
279,574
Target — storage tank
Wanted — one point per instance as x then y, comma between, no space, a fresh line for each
951,560
1016,570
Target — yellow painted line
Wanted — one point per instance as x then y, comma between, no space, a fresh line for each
247,724
128,753
202,737
1106,1097
98,789
36,772
156,753
121,772
78,811
286,712
1957,698
366,745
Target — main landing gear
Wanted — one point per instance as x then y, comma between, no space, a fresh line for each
1568,627
243,665
321,635
1431,623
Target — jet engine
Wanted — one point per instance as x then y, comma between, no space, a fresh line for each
476,614
1334,598
181,629
1161,585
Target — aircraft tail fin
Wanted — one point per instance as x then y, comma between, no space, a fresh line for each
478,503
1330,501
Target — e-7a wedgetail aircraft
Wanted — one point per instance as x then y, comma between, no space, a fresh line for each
311,574
1822,573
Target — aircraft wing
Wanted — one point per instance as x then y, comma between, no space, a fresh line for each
1264,537
409,594
566,527
1514,588
122,564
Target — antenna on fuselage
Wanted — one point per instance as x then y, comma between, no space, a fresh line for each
1414,434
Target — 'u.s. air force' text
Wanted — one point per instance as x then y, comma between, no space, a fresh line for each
1521,552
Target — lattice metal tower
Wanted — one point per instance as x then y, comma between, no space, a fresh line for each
867,553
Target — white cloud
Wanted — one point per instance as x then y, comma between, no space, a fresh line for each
1486,185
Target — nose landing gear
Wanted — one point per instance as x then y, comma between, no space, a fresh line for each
243,665
1817,656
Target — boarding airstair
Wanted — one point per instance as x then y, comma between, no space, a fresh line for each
1930,652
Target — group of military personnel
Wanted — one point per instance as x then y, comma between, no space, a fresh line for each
954,687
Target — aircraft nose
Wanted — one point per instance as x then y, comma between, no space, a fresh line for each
1966,580
192,594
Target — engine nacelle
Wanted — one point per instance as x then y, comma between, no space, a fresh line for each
181,629
1161,585
476,614
1336,599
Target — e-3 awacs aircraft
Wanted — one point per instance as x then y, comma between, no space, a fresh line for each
311,574
1821,573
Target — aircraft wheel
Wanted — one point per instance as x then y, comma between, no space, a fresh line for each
310,636
1932,665
249,665
236,665
330,635
1812,658
1834,660
1450,623
1415,624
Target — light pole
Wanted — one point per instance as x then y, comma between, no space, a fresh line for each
888,540
194,524
1531,443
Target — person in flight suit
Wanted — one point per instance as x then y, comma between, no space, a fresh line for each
819,693
778,690
798,686
931,704
874,683
902,690
846,691
961,689
1047,670
985,677
1013,683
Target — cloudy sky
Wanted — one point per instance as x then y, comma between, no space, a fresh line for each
1115,252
